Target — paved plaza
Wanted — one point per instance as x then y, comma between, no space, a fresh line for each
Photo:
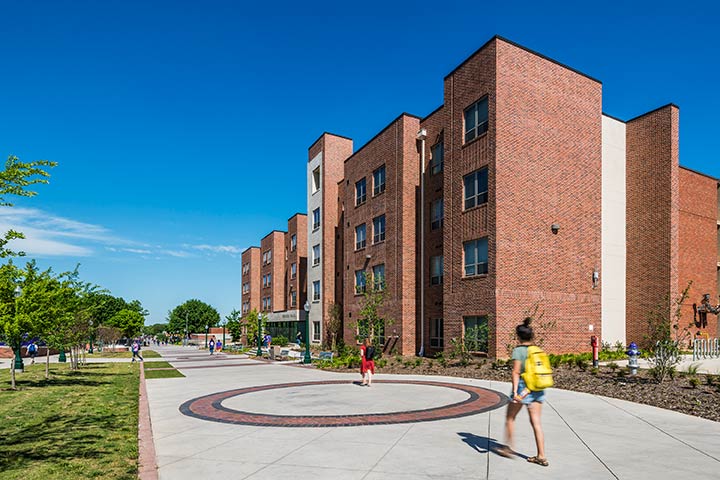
235,417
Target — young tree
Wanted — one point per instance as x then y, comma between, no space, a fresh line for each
371,323
235,325
334,327
199,316
251,325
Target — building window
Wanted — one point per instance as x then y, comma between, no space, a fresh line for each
476,257
436,270
316,290
293,298
245,307
360,236
246,288
438,158
245,268
359,281
360,192
379,181
293,242
476,119
266,280
379,277
476,333
316,180
316,219
436,333
293,270
366,330
379,229
316,331
437,214
316,254
476,188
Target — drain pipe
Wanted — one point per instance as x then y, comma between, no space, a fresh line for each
421,136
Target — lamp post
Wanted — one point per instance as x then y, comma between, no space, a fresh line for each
223,324
18,359
90,350
421,136
307,358
207,328
259,341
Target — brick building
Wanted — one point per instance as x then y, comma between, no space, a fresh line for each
250,280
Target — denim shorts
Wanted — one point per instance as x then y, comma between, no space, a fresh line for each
532,396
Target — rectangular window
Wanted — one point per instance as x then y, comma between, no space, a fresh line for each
475,334
476,119
476,188
293,242
436,333
316,219
379,181
245,268
316,180
379,276
293,270
293,298
359,281
360,236
316,290
436,270
245,307
360,192
316,331
476,257
438,158
379,229
316,254
269,303
437,214
246,288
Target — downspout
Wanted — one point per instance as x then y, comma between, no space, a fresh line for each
422,135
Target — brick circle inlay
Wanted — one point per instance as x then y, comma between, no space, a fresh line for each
209,407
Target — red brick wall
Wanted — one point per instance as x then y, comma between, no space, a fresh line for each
395,147
698,250
652,216
297,225
252,256
274,241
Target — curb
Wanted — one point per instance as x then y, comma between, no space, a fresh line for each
147,463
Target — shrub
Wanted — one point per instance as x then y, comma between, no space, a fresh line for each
380,363
581,363
594,371
710,380
694,382
555,360
613,366
418,361
280,340
693,369
499,364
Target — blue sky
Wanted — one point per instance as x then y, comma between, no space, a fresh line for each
168,119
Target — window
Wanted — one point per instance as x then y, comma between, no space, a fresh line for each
293,270
476,188
475,335
437,214
438,158
267,279
436,333
316,180
316,255
293,242
366,330
359,281
379,276
379,181
316,290
245,307
316,331
379,229
476,257
360,192
246,288
476,119
360,236
316,219
293,298
245,268
436,270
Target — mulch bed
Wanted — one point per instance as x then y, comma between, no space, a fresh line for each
673,394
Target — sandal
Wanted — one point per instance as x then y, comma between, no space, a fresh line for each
538,461
504,451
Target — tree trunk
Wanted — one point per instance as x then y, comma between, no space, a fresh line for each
12,372
47,362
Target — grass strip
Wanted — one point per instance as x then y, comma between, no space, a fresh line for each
76,425
151,374
143,353
152,365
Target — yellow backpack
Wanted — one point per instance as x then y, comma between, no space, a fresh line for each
538,373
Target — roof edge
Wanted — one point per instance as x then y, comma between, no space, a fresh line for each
699,173
653,111
395,120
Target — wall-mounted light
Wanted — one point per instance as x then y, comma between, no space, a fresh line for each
595,278
555,227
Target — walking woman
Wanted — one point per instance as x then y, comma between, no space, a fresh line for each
522,396
367,364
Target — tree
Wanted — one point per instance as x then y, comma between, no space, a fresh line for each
235,325
199,316
155,329
334,327
370,323
251,325
107,306
665,336
129,322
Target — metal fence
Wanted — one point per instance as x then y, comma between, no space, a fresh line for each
706,348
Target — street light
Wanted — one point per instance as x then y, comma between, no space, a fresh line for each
223,324
259,341
90,351
18,359
307,358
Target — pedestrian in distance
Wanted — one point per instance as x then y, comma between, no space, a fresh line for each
212,345
367,362
298,338
218,346
136,351
32,351
522,395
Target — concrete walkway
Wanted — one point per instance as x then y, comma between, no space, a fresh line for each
220,435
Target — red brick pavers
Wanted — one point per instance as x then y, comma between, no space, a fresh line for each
210,407
147,468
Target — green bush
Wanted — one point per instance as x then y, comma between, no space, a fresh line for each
280,340
710,380
694,382
581,363
613,366
594,371
555,360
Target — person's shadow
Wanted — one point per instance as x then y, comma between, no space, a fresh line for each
484,444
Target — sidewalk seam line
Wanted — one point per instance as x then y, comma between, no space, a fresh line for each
388,451
147,460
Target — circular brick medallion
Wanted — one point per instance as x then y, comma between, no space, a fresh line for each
209,407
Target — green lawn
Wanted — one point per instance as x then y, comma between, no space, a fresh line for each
143,353
150,374
151,365
76,425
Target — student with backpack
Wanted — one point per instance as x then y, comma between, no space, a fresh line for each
136,351
367,362
212,345
531,375
32,351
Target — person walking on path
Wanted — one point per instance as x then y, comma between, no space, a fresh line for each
136,351
521,395
212,345
32,351
367,362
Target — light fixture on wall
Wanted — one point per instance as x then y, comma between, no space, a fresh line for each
555,227
595,278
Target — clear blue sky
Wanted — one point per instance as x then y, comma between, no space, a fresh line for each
168,119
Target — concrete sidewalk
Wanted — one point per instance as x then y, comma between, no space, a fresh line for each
587,437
